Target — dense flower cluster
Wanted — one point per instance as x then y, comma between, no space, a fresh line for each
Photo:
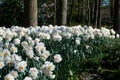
17,44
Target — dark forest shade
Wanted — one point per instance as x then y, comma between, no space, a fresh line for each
116,19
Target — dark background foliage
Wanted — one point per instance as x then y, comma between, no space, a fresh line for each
12,12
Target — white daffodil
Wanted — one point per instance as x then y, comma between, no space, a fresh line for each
14,74
57,58
9,77
16,41
33,73
21,66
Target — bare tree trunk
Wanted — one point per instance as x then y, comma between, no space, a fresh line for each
70,12
89,12
111,10
82,12
119,16
97,13
99,16
61,12
96,18
116,20
78,10
58,12
30,10
55,6
64,12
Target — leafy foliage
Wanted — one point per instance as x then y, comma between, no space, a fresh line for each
11,13
93,56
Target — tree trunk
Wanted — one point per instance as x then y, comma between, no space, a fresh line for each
99,16
79,10
92,12
116,20
95,13
30,12
111,10
55,6
70,12
64,12
58,12
61,12
89,17
119,16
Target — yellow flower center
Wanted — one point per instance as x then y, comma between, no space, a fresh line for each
8,78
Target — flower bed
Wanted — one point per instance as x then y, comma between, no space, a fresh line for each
34,53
